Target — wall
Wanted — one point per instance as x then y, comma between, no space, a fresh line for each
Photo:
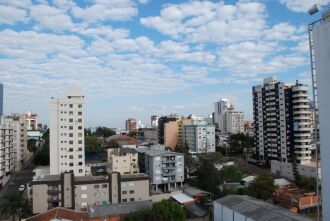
285,169
40,197
89,194
171,134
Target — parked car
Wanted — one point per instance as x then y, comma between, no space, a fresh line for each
21,188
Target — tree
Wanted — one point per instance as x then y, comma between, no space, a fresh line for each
262,187
41,158
104,132
13,205
190,162
307,183
169,211
232,173
143,215
94,144
32,145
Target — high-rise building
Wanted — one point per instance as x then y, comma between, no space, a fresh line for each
281,121
1,99
131,125
227,120
6,151
31,120
200,138
320,51
154,121
66,133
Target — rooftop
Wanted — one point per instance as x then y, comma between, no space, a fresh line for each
182,198
155,153
258,210
193,191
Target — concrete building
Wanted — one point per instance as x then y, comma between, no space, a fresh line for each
131,125
220,108
1,99
154,121
165,168
200,138
284,169
31,121
66,124
78,192
246,208
6,151
151,135
320,50
123,160
281,121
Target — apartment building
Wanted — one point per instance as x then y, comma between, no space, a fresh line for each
1,99
6,152
66,124
220,108
154,121
150,135
31,120
123,160
131,125
78,192
282,121
165,168
200,138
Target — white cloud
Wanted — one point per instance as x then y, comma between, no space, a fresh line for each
104,32
302,5
11,15
24,4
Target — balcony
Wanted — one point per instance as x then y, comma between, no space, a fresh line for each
53,199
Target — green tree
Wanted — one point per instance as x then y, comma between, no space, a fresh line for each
232,173
104,132
41,158
208,177
94,144
262,187
307,183
143,215
32,145
13,205
169,210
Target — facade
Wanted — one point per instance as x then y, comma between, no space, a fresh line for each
282,121
151,135
321,35
67,147
154,121
200,138
123,160
220,108
284,169
1,99
131,125
6,152
165,168
242,207
72,192
31,121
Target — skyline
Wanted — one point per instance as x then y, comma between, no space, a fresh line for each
160,58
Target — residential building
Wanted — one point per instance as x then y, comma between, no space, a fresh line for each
66,133
123,160
281,121
31,121
243,207
131,125
154,121
285,169
60,213
200,138
165,168
150,135
119,140
220,108
79,192
1,99
6,151
320,50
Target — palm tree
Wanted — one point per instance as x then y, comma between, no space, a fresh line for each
13,205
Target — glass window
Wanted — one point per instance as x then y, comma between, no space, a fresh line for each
84,196
84,187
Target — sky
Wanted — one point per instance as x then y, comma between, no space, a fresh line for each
136,58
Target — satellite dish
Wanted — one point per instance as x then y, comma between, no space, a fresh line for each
314,9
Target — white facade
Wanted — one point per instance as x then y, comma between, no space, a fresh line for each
200,138
6,151
219,108
321,36
67,146
31,121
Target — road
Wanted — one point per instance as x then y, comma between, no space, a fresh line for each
22,177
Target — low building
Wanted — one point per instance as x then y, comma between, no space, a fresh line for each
151,135
79,192
183,199
60,213
200,138
165,168
123,160
197,194
242,207
118,140
284,169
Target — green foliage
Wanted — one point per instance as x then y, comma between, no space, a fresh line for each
306,183
143,215
32,145
190,162
41,158
232,174
209,177
238,142
94,144
13,205
103,132
262,187
169,211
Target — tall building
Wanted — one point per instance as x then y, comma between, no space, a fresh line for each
228,120
131,125
200,138
1,99
320,50
281,121
31,120
154,121
66,133
6,151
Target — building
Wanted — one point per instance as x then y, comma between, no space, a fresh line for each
154,121
200,138
131,125
284,169
150,135
165,168
320,50
6,151
281,121
79,192
119,140
243,207
60,213
66,125
123,160
1,99
31,121
227,120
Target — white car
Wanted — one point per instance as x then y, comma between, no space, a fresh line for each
21,188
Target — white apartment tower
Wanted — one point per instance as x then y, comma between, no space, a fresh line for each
282,121
6,151
66,125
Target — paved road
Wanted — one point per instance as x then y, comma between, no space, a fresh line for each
22,177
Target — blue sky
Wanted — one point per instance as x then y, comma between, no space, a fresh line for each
135,58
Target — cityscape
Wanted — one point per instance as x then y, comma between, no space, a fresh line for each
129,110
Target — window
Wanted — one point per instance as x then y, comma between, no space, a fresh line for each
124,200
80,164
104,185
79,156
79,134
71,157
70,127
79,127
71,165
71,120
70,149
71,105
84,196
79,120
131,199
83,187
70,134
70,142
80,171
79,113
97,195
79,148
131,192
130,183
124,192
96,186
79,141
79,105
